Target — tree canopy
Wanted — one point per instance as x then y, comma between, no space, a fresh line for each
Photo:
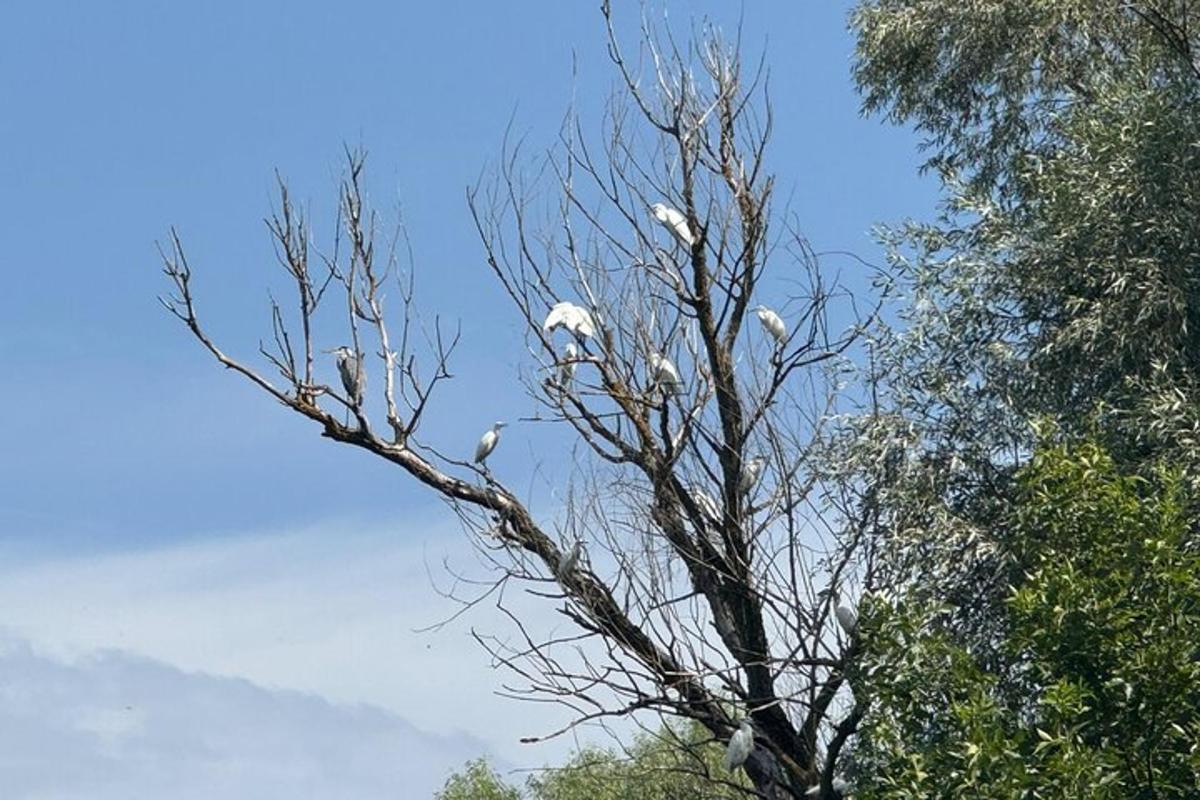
673,763
1096,695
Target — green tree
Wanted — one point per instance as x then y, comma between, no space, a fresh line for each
477,781
1060,282
1099,692
675,763
1045,646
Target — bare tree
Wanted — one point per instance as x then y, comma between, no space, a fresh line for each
700,533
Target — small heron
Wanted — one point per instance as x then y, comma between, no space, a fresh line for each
707,504
574,318
773,323
352,373
839,786
846,616
741,743
488,442
675,222
664,372
569,562
567,365
751,472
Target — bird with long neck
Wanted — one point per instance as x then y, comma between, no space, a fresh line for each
488,442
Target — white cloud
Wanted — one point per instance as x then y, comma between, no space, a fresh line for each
331,611
117,727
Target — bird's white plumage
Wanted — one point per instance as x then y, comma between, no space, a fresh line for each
751,472
352,373
710,509
569,561
839,786
576,319
663,371
846,617
674,221
488,442
567,364
741,743
772,323
707,504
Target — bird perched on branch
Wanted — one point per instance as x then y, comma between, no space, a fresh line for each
838,785
846,616
574,318
352,373
675,222
567,365
773,324
741,743
664,372
751,472
569,562
707,504
488,442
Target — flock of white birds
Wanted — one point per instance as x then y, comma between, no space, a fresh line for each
580,323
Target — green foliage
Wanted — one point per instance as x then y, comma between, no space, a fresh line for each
1060,284
477,781
1099,695
673,764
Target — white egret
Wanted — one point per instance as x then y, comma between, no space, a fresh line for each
773,324
740,746
839,786
707,504
569,562
675,222
352,373
574,318
488,442
751,472
846,616
567,365
710,509
664,372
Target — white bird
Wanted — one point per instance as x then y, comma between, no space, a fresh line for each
711,510
488,442
574,318
675,222
846,617
751,472
707,504
839,786
664,372
773,323
740,746
352,373
567,365
569,561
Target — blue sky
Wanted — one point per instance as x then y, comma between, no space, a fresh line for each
125,447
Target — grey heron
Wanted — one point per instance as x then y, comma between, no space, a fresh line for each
352,373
